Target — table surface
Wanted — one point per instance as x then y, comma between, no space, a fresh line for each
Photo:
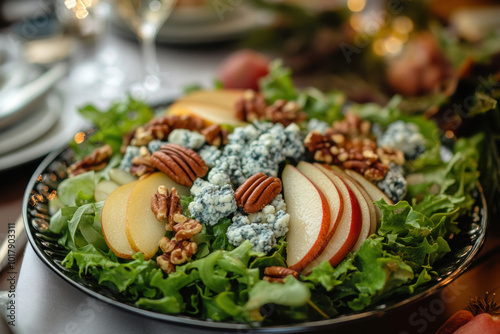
191,66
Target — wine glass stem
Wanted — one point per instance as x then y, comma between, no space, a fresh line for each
150,65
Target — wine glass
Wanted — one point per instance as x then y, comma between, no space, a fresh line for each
146,17
97,66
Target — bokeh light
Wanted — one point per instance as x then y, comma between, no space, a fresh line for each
402,25
79,137
356,5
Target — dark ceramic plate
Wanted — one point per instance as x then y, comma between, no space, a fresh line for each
42,187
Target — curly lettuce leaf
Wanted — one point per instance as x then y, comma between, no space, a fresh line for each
112,124
454,180
77,190
291,293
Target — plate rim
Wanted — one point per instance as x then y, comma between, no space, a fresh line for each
208,324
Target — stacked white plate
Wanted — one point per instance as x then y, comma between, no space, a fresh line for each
30,110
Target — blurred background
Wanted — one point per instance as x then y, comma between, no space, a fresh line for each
441,58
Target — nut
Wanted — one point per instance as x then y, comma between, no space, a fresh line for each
181,164
96,160
166,206
141,165
180,248
126,140
164,263
353,126
323,149
285,112
257,192
215,135
389,154
183,252
159,128
167,245
162,126
276,271
350,145
141,137
277,274
187,229
250,106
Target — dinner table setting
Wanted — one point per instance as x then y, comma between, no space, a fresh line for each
359,143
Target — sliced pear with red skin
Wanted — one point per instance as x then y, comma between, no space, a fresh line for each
366,218
332,194
114,219
349,228
373,191
371,206
143,230
309,218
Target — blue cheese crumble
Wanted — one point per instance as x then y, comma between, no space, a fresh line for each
263,155
260,236
213,203
198,186
210,154
294,142
316,124
258,147
272,217
227,171
243,135
155,145
189,139
130,153
404,137
394,183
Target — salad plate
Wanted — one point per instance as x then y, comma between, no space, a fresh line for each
43,186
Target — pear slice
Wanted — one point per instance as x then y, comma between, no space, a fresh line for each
309,218
113,221
143,230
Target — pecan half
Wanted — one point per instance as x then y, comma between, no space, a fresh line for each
166,205
215,135
285,112
96,160
250,106
181,164
257,192
277,274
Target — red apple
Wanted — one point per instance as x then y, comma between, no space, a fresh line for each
243,69
347,233
309,218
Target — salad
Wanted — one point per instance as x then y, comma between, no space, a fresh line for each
268,207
